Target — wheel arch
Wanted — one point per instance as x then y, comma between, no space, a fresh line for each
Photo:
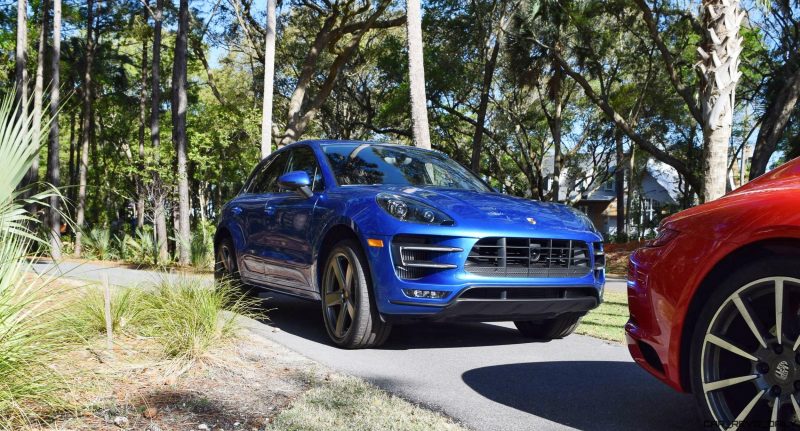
333,234
778,246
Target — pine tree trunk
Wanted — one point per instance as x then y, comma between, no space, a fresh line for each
159,214
269,78
21,59
86,129
556,127
38,95
140,177
416,75
54,146
179,106
719,68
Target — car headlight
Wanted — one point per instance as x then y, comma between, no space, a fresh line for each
406,209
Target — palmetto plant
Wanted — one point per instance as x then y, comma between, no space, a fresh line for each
26,381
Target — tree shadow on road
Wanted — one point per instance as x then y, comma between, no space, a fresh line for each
587,395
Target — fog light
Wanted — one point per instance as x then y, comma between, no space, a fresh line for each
430,294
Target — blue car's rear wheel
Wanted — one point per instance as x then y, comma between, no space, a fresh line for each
226,270
351,317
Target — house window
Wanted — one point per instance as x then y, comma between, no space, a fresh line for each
583,208
609,186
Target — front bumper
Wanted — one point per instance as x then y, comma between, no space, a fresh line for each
500,298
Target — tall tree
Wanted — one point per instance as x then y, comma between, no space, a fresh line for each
140,177
719,69
159,213
269,80
38,91
21,56
416,75
86,127
53,148
179,106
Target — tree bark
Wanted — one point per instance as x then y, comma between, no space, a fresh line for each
86,129
38,95
179,106
140,177
21,60
779,112
556,124
159,214
719,69
416,75
54,145
619,187
483,105
269,80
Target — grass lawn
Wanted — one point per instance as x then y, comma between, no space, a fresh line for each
607,321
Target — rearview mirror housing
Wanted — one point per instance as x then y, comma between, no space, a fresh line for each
296,181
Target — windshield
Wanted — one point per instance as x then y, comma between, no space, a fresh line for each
368,164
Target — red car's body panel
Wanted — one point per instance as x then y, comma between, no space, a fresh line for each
663,281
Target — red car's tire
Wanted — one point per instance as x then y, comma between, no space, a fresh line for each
743,351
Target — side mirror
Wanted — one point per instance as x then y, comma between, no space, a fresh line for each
296,181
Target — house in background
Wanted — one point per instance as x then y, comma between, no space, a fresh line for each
655,194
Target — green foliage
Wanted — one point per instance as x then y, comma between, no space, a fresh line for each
98,244
190,318
141,248
202,247
85,317
27,343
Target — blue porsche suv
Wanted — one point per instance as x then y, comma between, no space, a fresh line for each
381,234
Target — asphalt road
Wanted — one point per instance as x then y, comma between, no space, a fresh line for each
484,375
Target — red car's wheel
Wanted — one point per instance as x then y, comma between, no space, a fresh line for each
745,362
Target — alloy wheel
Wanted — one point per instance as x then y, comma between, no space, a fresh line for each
339,299
750,365
226,259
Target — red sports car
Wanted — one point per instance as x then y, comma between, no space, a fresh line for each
715,304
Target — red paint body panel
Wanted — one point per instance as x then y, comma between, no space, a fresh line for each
662,281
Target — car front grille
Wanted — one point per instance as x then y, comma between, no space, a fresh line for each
529,258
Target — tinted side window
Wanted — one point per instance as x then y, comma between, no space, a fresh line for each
267,180
303,159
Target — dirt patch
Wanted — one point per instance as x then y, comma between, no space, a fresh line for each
242,386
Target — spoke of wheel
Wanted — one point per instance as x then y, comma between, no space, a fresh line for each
333,298
348,278
748,318
746,411
779,308
340,323
796,406
796,345
351,310
719,342
337,271
773,426
719,384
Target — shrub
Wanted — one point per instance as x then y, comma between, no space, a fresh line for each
190,318
85,317
97,244
27,345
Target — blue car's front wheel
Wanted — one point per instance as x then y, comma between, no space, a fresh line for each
351,317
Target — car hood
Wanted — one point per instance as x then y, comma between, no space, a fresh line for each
490,209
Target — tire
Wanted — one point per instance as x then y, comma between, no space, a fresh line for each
741,334
226,268
348,307
548,329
